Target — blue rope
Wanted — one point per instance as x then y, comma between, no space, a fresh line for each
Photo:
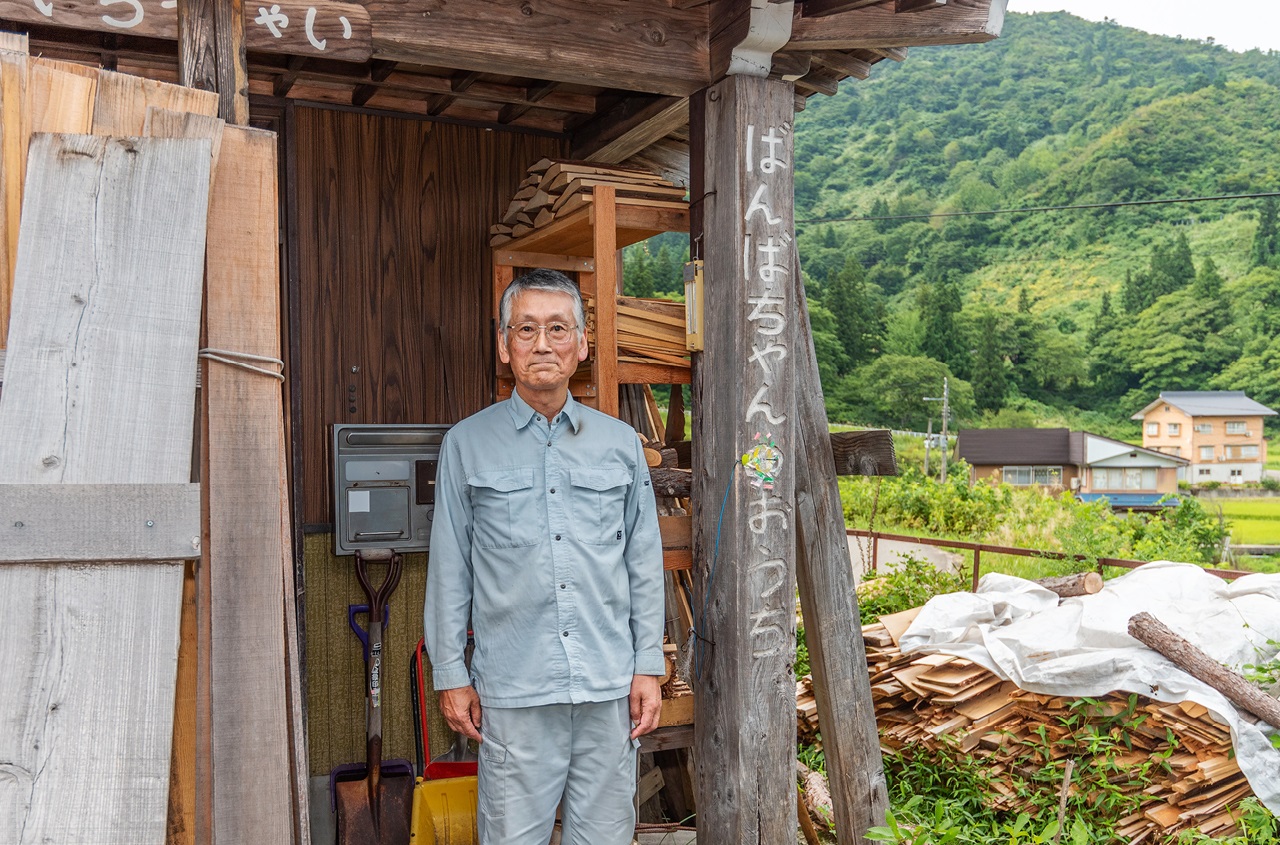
711,577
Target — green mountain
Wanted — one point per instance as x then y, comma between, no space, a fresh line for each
1074,316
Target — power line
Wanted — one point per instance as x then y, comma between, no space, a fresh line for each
1165,201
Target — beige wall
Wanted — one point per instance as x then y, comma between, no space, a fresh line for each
1189,442
1166,482
994,472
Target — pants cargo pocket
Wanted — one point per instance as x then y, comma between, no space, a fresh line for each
492,781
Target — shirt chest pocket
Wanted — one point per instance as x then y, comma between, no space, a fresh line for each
598,497
505,512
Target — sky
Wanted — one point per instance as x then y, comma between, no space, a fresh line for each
1235,24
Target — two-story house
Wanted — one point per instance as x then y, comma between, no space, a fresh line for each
1219,431
1090,465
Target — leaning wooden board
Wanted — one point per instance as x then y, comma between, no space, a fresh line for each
98,389
252,800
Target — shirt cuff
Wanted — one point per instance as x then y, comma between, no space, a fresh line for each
650,661
450,676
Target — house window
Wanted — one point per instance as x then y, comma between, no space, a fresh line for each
1246,451
1175,429
1237,473
1204,428
1124,478
1236,427
1024,476
1206,453
1203,471
1153,429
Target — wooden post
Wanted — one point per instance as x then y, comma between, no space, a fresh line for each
832,630
211,54
744,405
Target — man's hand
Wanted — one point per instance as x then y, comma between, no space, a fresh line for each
461,709
646,703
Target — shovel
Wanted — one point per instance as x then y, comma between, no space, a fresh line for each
374,810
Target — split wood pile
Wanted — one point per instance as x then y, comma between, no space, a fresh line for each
556,189
133,200
1173,760
651,331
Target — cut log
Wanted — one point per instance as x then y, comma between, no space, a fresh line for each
1185,655
1080,584
671,482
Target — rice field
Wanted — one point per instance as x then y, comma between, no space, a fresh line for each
1252,520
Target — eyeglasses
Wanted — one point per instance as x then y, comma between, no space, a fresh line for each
527,333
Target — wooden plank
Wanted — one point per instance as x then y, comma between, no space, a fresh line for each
629,127
251,761
15,129
745,723
564,263
96,522
62,99
643,45
122,102
96,307
607,286
960,22
233,62
181,827
829,603
288,26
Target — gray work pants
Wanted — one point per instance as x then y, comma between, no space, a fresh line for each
580,756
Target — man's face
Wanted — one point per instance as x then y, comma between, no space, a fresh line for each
542,364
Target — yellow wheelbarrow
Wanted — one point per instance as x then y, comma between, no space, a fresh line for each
444,796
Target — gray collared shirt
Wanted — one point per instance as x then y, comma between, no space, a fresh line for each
545,536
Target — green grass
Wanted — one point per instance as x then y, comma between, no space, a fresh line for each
1252,520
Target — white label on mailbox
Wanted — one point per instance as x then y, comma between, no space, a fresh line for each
358,501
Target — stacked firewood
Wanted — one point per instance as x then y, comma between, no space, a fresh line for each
556,189
1174,757
651,331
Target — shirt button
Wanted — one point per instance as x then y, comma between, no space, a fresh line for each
548,442
557,536
562,586
564,633
553,489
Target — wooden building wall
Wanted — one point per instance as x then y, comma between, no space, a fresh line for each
392,220
389,223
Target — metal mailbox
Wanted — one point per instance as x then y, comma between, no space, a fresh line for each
384,483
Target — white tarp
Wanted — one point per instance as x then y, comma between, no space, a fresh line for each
1081,647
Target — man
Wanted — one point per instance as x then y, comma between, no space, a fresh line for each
545,537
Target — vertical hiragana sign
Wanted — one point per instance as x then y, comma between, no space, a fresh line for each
744,419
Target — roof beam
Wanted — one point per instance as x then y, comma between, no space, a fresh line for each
379,70
637,45
843,63
823,8
532,95
897,54
959,22
917,5
628,128
284,83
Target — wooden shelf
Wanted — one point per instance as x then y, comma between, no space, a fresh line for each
587,242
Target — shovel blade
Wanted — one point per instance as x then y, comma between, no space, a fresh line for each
356,824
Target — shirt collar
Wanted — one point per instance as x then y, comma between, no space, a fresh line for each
522,413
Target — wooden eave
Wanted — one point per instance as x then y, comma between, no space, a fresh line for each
610,76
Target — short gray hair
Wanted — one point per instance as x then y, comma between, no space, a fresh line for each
548,280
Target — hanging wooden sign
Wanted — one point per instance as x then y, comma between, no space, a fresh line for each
316,28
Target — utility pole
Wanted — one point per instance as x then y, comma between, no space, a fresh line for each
945,399
928,441
946,412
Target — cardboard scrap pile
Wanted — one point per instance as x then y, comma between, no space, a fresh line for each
937,703
555,189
